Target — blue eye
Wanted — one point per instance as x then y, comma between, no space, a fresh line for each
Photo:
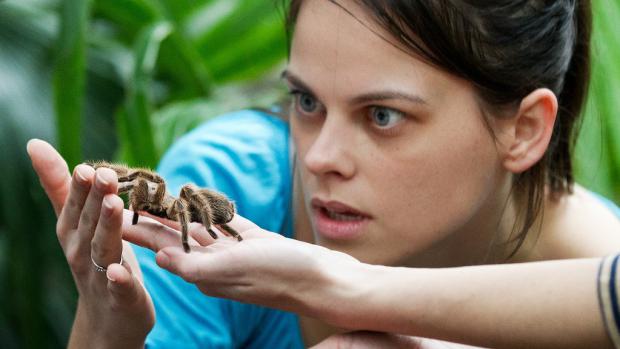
384,117
305,102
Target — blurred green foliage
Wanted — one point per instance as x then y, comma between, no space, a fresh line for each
122,79
597,154
109,79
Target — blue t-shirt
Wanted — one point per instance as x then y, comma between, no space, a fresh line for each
244,155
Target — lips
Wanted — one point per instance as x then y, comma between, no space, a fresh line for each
337,207
335,220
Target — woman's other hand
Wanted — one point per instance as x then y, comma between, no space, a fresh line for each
114,309
379,340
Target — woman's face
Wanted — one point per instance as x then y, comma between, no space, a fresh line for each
394,155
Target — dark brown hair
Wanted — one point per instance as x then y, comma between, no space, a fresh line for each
506,49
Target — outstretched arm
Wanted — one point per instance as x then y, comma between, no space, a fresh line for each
535,305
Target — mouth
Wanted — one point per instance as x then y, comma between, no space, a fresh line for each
338,221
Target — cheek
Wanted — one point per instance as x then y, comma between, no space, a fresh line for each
300,135
433,189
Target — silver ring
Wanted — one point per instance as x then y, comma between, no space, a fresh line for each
100,268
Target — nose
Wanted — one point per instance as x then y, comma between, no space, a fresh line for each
331,151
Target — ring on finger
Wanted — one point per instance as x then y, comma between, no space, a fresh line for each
99,268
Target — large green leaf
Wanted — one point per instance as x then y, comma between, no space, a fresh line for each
597,156
69,76
136,114
40,297
28,244
245,42
176,119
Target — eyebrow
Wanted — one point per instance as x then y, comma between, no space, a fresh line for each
364,98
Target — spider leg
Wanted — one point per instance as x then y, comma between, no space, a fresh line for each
139,199
139,173
182,213
160,193
230,231
124,187
200,206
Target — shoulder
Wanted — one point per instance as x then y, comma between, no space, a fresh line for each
231,143
582,224
245,155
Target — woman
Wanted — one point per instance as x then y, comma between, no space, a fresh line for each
426,135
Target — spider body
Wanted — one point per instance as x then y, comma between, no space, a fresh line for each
146,191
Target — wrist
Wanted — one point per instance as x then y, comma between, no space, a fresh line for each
87,332
343,286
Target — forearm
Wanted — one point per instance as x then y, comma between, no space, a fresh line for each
535,305
84,335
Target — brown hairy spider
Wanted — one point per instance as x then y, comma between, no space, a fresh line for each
146,191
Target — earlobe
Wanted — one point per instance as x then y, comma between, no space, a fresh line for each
532,132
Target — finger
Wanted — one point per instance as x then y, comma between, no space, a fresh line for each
52,170
80,187
105,183
238,222
241,224
123,285
189,266
195,230
130,261
107,245
151,234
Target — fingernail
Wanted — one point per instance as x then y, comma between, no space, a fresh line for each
108,206
81,178
107,274
28,145
162,260
102,182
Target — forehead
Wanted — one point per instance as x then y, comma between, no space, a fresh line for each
339,46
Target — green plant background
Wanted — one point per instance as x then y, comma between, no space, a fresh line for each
85,75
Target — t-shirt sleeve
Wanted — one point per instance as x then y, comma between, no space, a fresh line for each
608,291
245,156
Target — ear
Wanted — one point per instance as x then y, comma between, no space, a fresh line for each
531,130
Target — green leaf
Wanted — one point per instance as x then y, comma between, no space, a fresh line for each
127,17
245,43
69,78
176,119
137,111
597,155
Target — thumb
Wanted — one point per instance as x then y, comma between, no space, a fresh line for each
123,285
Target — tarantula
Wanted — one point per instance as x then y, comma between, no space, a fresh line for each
146,191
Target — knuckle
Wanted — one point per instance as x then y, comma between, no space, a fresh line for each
73,263
87,219
99,250
121,296
117,303
72,256
61,231
72,203
76,264
187,275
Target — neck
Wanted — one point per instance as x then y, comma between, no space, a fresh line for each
484,239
